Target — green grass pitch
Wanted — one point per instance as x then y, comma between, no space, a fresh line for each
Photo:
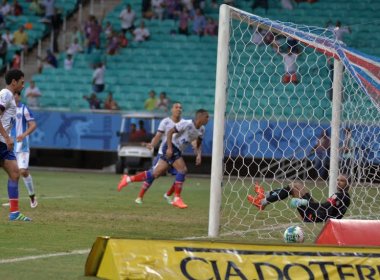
75,208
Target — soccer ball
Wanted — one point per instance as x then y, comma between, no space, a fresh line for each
294,234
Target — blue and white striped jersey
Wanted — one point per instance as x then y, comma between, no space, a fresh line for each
23,116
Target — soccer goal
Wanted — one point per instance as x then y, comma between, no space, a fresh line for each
291,103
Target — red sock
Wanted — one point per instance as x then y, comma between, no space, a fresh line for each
145,186
13,205
171,190
177,188
139,177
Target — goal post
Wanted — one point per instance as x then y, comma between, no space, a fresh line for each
280,88
218,130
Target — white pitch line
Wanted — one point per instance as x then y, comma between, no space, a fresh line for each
75,252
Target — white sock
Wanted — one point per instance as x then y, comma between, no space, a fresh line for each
28,181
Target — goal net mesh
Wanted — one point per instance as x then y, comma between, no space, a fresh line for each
278,124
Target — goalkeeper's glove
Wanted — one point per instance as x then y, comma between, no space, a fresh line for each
297,202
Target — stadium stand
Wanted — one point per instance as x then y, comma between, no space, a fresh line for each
184,66
35,28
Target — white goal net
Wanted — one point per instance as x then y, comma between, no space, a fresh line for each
292,104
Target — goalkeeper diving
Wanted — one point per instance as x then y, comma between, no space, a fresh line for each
310,210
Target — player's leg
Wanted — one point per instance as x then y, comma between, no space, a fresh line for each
23,165
180,165
263,198
160,168
10,166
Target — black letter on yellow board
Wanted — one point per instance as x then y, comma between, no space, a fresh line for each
260,273
232,265
371,272
323,265
184,269
216,270
343,274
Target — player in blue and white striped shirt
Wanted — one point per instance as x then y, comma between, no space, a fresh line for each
24,126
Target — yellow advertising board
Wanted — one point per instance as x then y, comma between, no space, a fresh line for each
197,260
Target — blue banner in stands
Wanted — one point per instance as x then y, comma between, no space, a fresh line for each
264,139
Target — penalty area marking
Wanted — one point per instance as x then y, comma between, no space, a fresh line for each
28,258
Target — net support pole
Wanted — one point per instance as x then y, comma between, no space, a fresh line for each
335,124
219,112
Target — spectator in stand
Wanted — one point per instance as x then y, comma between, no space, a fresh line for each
21,38
158,9
287,4
172,10
68,62
183,24
75,47
127,17
49,6
141,33
77,37
123,40
98,78
93,101
6,9
8,37
56,22
3,50
93,38
110,103
290,63
35,8
258,35
339,30
16,60
211,28
199,23
32,94
163,102
113,44
260,3
151,101
108,29
188,4
49,61
2,21
17,8
146,9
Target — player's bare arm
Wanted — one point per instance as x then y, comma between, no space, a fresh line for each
8,140
31,127
198,151
156,139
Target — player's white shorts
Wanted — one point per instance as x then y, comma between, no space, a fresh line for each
22,160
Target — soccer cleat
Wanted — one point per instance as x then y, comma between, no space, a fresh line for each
123,182
168,199
139,200
256,200
33,203
17,216
178,202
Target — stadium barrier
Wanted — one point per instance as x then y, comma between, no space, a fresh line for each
350,232
112,258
